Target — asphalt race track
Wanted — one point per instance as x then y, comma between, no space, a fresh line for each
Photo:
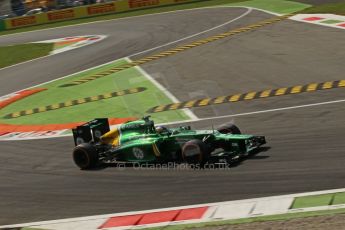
126,37
38,180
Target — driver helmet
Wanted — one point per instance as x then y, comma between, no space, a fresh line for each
160,129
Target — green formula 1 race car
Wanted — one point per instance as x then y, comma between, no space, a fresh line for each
140,142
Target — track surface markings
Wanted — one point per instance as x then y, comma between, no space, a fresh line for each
250,96
178,49
74,102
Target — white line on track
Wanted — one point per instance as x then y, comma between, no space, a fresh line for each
261,111
25,62
53,52
174,99
164,90
222,117
249,10
145,15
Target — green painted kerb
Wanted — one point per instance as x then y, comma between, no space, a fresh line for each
339,198
226,224
2,25
331,21
319,200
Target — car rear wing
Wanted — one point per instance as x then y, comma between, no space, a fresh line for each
90,131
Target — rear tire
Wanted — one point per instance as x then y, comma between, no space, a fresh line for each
229,128
85,156
195,153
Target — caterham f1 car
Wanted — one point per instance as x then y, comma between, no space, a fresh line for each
140,141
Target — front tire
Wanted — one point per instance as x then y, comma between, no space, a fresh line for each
85,156
229,128
195,153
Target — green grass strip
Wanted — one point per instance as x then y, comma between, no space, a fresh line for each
339,198
14,54
282,217
335,8
122,106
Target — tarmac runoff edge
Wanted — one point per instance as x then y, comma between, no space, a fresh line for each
313,87
179,49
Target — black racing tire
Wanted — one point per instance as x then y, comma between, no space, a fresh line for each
229,128
195,153
85,156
